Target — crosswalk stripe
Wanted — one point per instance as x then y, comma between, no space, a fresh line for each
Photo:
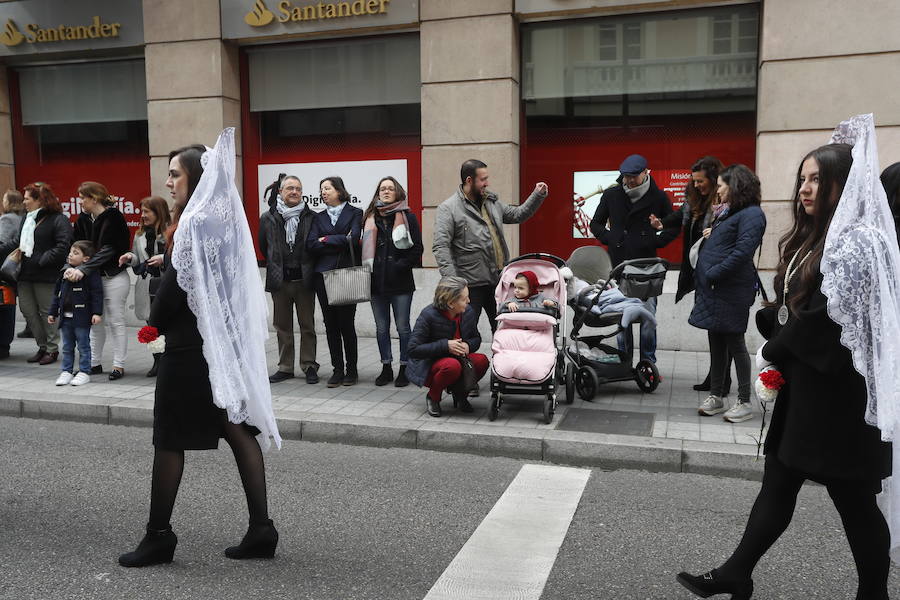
512,551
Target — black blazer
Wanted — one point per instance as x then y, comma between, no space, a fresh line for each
334,252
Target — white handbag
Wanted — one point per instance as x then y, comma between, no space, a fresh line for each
694,252
350,285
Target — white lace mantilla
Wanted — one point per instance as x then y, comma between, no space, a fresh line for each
861,280
216,263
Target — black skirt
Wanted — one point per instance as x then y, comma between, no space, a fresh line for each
184,414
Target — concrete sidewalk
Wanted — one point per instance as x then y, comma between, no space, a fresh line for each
395,417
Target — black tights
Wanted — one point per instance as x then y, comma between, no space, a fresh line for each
168,466
865,527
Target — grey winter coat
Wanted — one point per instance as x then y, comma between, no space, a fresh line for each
462,241
9,228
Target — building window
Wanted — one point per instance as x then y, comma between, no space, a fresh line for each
698,61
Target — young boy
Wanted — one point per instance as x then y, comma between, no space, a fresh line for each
526,294
77,305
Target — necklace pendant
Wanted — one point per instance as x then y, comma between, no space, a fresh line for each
783,315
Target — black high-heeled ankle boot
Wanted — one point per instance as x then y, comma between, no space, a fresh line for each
710,584
259,542
155,368
158,546
387,375
401,380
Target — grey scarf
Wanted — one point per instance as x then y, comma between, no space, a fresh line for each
636,193
291,216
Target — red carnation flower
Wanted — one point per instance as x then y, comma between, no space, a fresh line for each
147,334
772,379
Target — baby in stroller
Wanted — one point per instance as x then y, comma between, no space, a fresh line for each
611,300
526,358
527,295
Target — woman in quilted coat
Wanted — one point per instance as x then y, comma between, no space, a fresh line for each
726,285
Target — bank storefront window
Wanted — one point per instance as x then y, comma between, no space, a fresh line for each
350,106
83,121
671,86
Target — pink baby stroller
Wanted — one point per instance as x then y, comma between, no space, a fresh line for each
527,351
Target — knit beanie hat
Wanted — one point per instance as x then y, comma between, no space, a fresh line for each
532,280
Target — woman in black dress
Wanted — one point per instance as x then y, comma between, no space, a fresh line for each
185,412
331,234
818,431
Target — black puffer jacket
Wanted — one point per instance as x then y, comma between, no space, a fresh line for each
111,239
52,238
428,342
392,272
273,246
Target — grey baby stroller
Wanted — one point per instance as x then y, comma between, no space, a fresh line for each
590,361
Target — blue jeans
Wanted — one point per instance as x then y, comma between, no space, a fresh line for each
381,308
70,336
648,335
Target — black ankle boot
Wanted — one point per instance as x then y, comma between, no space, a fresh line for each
387,375
433,408
158,546
401,380
461,401
259,542
335,379
351,377
710,584
155,367
704,385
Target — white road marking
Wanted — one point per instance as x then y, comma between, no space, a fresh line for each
512,552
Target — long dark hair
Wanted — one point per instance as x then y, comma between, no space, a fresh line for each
709,166
743,187
160,208
401,195
807,233
338,184
189,159
890,179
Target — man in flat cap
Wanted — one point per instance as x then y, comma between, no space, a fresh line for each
622,223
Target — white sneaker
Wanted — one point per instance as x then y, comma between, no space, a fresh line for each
739,412
81,378
713,405
64,378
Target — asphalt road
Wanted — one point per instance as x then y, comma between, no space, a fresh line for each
364,523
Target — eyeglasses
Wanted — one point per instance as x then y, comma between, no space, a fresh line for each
292,188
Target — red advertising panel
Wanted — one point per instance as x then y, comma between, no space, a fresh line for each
578,163
122,165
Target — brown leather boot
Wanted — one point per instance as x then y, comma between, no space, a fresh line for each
48,358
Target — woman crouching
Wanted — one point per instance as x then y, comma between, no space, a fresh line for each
446,332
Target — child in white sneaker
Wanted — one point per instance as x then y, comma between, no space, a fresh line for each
77,305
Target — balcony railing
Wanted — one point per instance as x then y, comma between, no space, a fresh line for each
647,76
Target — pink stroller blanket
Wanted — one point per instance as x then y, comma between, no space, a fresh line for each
524,348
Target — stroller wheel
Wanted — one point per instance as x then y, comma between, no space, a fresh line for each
646,375
549,409
570,383
494,408
586,383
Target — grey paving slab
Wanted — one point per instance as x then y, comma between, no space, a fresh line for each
368,414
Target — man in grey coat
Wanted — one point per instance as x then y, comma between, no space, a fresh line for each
289,277
468,234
